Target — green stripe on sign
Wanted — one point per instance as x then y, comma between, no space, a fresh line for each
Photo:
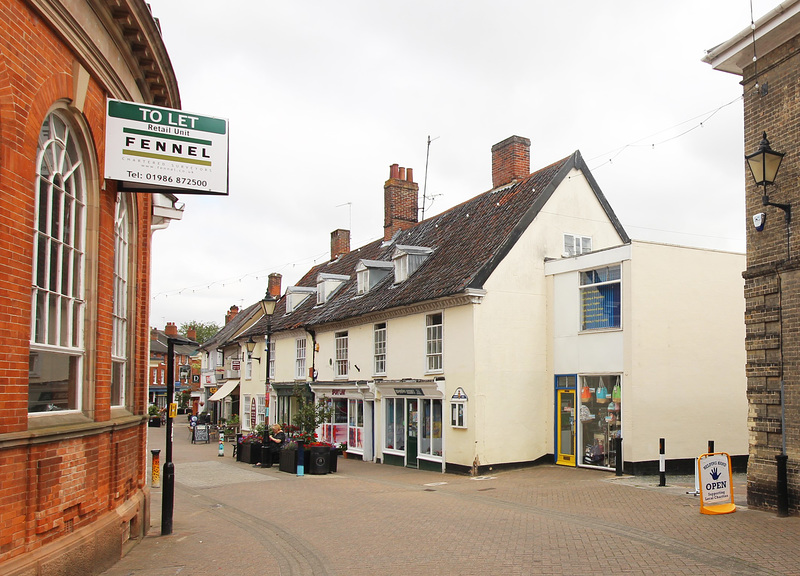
166,136
165,157
166,117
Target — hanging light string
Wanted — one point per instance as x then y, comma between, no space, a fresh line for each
643,142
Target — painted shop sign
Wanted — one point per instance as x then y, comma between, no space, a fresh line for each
149,148
716,483
409,392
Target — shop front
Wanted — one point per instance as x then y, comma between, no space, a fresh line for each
351,422
411,420
588,419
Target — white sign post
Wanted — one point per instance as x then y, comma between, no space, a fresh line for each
716,483
152,149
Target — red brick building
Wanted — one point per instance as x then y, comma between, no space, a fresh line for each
74,286
767,61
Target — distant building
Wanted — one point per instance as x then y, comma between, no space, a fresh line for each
75,258
520,326
772,278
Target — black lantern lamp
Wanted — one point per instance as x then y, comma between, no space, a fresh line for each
764,164
251,345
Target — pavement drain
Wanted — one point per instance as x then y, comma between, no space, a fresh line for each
484,478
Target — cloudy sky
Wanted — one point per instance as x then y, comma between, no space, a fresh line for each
322,97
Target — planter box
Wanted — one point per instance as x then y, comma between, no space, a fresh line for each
249,452
288,461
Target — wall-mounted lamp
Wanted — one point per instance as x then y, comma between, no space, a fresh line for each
764,164
251,345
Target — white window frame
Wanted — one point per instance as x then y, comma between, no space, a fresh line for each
434,343
429,426
588,286
271,359
341,362
246,412
248,368
575,245
362,281
58,305
119,314
458,414
380,344
300,359
261,407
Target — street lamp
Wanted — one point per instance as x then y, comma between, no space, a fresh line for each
764,164
268,308
251,345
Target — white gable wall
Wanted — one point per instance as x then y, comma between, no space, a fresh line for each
513,382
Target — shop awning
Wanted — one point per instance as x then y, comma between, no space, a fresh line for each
226,389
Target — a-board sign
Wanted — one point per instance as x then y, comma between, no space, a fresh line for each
150,148
201,433
716,483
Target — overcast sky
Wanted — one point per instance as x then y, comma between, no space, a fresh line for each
322,97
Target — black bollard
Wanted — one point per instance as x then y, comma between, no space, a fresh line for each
783,486
618,448
662,481
710,446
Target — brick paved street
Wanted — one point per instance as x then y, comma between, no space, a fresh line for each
373,520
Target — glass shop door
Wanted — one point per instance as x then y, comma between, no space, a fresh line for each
411,434
565,427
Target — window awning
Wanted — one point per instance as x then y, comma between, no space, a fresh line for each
226,389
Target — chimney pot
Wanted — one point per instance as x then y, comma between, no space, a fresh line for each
171,329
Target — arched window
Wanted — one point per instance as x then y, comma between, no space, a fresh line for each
119,344
57,295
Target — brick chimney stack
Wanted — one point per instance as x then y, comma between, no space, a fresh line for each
511,160
191,334
340,243
274,285
400,201
171,329
231,314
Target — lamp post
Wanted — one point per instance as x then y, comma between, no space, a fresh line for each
764,164
268,308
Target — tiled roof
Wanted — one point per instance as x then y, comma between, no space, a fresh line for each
222,338
468,242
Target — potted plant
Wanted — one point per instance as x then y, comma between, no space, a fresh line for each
154,416
250,447
308,417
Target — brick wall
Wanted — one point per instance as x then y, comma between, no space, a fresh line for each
54,485
772,279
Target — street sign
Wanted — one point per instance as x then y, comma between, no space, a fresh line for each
716,483
153,149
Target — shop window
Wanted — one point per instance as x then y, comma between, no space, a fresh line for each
395,438
341,363
57,294
262,409
600,298
119,336
380,348
355,414
600,417
300,359
434,332
335,430
283,414
431,429
458,414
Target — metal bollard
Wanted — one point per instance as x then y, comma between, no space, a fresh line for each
710,446
221,445
156,475
618,448
662,480
300,459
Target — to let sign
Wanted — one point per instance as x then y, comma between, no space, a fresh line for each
149,148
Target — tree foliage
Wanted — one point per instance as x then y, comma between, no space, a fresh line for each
204,330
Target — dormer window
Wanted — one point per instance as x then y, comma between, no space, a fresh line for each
295,295
327,284
370,272
407,259
576,245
